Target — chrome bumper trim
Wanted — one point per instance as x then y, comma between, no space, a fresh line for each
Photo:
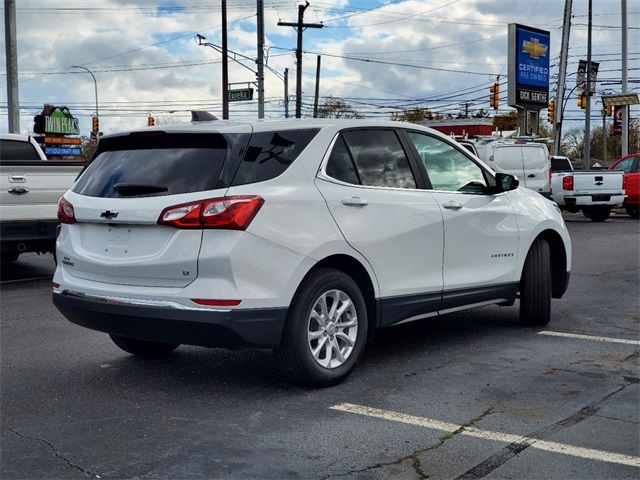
136,301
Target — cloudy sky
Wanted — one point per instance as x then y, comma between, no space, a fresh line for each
379,55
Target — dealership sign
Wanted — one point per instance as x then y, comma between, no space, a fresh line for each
528,67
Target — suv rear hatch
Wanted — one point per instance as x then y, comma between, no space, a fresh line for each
118,200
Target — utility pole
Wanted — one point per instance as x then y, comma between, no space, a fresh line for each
286,93
625,108
225,64
260,61
300,26
11,50
604,134
315,100
562,75
586,164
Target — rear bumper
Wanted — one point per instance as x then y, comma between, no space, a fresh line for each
259,328
589,199
28,236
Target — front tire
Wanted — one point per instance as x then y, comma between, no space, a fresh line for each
535,286
326,330
598,213
143,348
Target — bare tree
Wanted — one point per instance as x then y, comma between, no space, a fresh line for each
337,108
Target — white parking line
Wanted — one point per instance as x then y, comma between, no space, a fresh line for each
555,447
590,337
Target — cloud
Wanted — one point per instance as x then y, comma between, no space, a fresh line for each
146,60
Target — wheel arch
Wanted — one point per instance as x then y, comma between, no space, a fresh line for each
559,261
356,270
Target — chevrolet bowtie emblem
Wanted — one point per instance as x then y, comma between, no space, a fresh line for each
108,214
534,48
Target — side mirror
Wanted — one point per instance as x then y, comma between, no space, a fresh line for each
506,182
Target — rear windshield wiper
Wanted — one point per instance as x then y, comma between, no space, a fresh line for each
133,189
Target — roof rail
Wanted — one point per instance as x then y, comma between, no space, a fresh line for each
202,116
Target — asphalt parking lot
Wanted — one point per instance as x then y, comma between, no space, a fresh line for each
469,395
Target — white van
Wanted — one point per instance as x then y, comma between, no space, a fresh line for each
527,161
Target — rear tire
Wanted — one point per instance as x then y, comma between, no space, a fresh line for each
320,348
535,286
597,213
633,212
143,348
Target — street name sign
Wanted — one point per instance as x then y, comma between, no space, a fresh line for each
241,95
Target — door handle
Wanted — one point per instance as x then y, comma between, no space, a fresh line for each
531,175
452,206
17,178
18,190
354,202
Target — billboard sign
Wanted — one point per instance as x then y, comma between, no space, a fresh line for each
63,151
581,76
56,121
528,67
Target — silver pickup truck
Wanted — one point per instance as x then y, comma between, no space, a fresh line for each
594,192
30,187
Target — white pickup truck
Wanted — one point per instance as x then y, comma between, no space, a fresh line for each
594,192
30,187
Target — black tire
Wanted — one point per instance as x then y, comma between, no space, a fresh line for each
535,286
633,212
294,354
143,348
597,213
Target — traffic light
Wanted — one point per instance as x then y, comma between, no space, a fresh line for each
95,125
607,111
494,96
151,121
551,112
582,101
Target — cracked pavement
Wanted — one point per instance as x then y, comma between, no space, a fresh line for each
73,406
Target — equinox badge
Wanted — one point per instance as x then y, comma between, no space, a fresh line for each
108,214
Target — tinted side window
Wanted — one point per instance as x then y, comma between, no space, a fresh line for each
340,166
380,158
270,153
448,168
624,165
16,150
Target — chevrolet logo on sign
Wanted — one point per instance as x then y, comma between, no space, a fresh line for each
534,48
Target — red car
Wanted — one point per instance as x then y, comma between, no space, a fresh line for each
630,165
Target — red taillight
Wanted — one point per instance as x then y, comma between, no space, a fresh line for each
231,213
216,303
66,213
55,285
567,182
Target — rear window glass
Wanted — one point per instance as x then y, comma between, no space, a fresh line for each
154,165
560,165
269,154
17,150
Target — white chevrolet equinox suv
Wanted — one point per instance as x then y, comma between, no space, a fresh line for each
301,236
